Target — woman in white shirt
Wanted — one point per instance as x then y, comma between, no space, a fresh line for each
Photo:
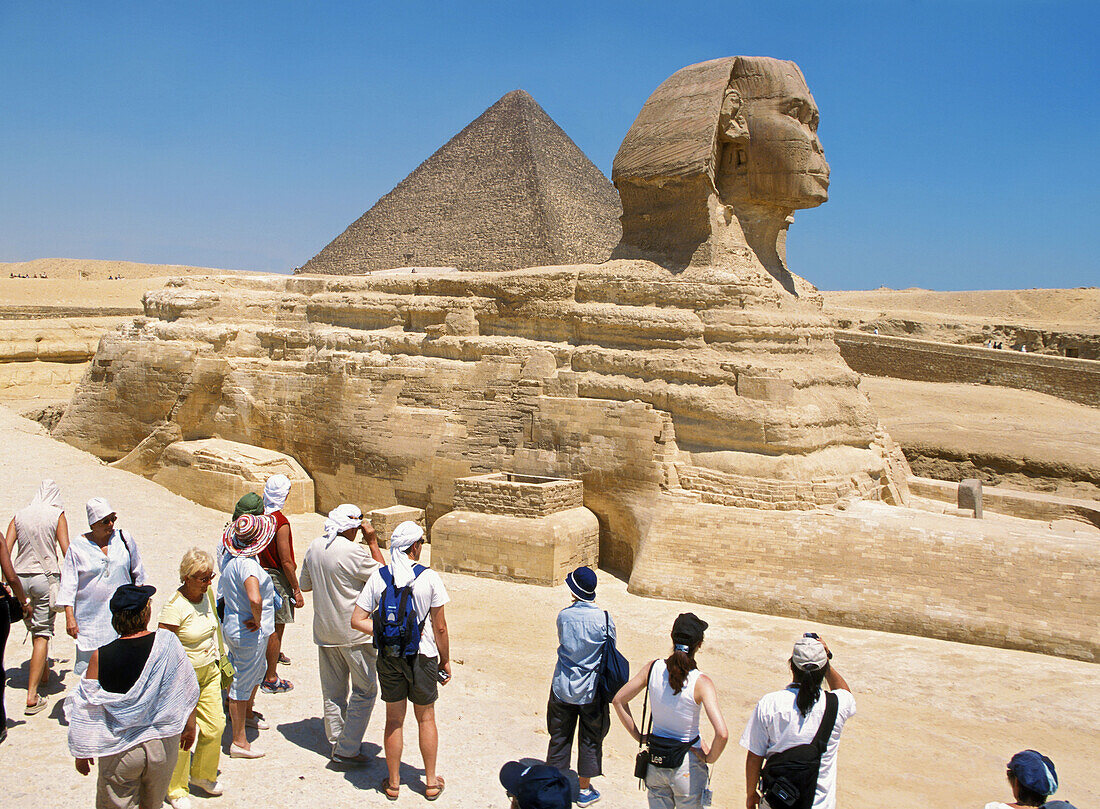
677,692
97,564
249,619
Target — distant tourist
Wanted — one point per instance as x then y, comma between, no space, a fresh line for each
250,605
414,654
1032,778
13,603
573,705
677,775
34,535
790,720
190,616
278,560
135,707
97,564
535,786
335,569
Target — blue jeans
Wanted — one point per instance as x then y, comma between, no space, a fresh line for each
681,788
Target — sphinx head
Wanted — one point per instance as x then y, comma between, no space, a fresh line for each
768,149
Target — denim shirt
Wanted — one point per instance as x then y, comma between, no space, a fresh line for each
581,635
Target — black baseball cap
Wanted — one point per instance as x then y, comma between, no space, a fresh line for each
130,597
536,786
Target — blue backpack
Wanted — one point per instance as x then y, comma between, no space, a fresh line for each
396,630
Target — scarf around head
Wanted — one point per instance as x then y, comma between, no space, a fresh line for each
404,536
275,491
342,518
48,494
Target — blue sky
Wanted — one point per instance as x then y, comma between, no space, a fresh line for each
962,136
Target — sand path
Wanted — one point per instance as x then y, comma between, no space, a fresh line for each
936,720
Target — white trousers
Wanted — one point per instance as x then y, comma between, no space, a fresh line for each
346,718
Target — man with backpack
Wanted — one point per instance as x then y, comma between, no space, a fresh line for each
793,735
402,607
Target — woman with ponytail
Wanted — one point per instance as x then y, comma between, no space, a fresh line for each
677,775
792,717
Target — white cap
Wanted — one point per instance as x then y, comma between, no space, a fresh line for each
809,654
98,508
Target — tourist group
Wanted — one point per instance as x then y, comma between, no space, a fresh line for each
150,707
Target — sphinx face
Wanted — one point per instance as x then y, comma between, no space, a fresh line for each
781,161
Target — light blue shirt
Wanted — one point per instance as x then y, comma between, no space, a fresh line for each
581,634
237,607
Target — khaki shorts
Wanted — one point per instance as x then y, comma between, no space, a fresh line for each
415,680
41,621
285,613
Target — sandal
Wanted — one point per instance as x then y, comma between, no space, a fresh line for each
283,659
278,686
40,705
391,793
433,792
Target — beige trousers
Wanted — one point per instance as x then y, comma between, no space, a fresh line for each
137,778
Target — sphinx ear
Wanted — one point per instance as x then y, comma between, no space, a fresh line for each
732,126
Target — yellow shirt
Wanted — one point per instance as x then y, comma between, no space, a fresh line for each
197,628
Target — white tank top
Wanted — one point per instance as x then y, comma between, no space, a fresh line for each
675,716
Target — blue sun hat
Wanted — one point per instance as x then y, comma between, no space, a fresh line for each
1034,771
582,582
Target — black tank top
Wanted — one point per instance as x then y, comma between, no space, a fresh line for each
121,662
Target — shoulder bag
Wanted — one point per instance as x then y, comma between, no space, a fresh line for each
10,604
224,664
614,668
789,778
641,761
53,579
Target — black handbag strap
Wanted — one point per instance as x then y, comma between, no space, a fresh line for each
645,700
821,738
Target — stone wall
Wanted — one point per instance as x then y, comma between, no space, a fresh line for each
905,358
518,495
898,570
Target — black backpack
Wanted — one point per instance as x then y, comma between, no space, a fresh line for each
396,630
789,778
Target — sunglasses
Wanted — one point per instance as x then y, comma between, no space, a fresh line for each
109,519
209,577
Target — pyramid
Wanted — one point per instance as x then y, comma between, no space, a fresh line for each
510,190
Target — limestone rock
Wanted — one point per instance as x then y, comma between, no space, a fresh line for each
217,473
510,190
384,520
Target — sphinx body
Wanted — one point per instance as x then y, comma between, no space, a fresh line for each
691,382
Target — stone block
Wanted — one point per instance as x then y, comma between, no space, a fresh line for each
216,473
386,519
970,496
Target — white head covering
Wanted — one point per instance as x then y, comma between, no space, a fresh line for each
342,518
48,494
404,536
98,508
275,491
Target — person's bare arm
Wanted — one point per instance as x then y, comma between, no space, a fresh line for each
442,639
832,676
753,763
9,574
361,621
371,536
92,672
621,701
252,590
707,696
175,630
190,730
9,537
282,544
63,533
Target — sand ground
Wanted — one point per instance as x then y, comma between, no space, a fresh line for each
936,720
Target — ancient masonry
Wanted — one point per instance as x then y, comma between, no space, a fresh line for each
517,527
510,190
692,385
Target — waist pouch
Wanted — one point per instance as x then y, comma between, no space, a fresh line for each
668,754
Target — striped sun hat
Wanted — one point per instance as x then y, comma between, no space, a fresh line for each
248,535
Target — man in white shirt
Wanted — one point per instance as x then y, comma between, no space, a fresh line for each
335,569
97,564
784,719
416,677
